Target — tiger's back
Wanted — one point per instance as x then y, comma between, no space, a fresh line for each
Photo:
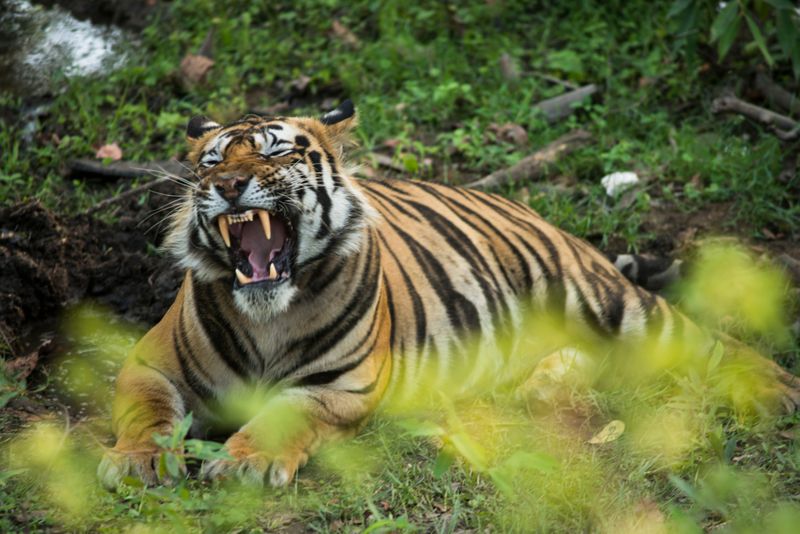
466,265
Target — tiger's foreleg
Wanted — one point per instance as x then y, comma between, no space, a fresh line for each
273,445
146,403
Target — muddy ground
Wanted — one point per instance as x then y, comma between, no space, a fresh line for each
48,261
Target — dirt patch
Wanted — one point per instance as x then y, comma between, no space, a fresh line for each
48,261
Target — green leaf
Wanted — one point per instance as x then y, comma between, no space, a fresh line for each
6,396
181,429
467,447
444,460
725,28
724,20
502,479
162,441
5,475
410,163
535,461
206,450
416,427
788,32
796,62
173,464
684,487
678,6
759,37
780,4
162,465
716,357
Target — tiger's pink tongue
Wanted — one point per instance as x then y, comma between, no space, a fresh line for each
260,249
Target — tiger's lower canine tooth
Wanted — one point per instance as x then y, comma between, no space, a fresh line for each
242,278
273,272
222,221
264,216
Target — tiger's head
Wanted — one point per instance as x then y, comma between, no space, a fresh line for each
270,200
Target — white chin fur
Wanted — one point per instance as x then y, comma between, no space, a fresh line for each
259,305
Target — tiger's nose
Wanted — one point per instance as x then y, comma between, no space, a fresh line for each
231,187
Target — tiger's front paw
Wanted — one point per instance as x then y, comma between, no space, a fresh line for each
253,467
142,464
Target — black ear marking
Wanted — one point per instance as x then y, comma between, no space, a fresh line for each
343,111
199,125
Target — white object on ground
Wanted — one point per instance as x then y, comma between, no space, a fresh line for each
619,181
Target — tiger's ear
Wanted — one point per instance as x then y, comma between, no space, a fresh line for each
198,126
338,123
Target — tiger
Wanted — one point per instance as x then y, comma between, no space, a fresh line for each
339,291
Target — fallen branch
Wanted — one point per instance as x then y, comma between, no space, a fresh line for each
386,161
776,94
787,135
731,104
534,166
129,194
562,106
123,169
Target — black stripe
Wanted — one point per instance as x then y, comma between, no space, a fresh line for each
461,312
465,248
369,388
396,203
190,377
224,340
490,227
325,273
588,314
337,180
306,349
416,301
326,377
322,194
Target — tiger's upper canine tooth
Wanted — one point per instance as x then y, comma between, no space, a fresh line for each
273,272
223,230
264,216
242,278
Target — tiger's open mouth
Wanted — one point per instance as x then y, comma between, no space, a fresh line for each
260,245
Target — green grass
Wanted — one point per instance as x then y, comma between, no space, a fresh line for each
426,76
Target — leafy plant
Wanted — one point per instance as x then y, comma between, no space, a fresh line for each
767,22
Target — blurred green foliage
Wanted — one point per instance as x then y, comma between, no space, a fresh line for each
693,449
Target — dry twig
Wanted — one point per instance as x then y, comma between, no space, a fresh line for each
129,194
562,106
534,165
122,169
386,161
731,104
776,94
